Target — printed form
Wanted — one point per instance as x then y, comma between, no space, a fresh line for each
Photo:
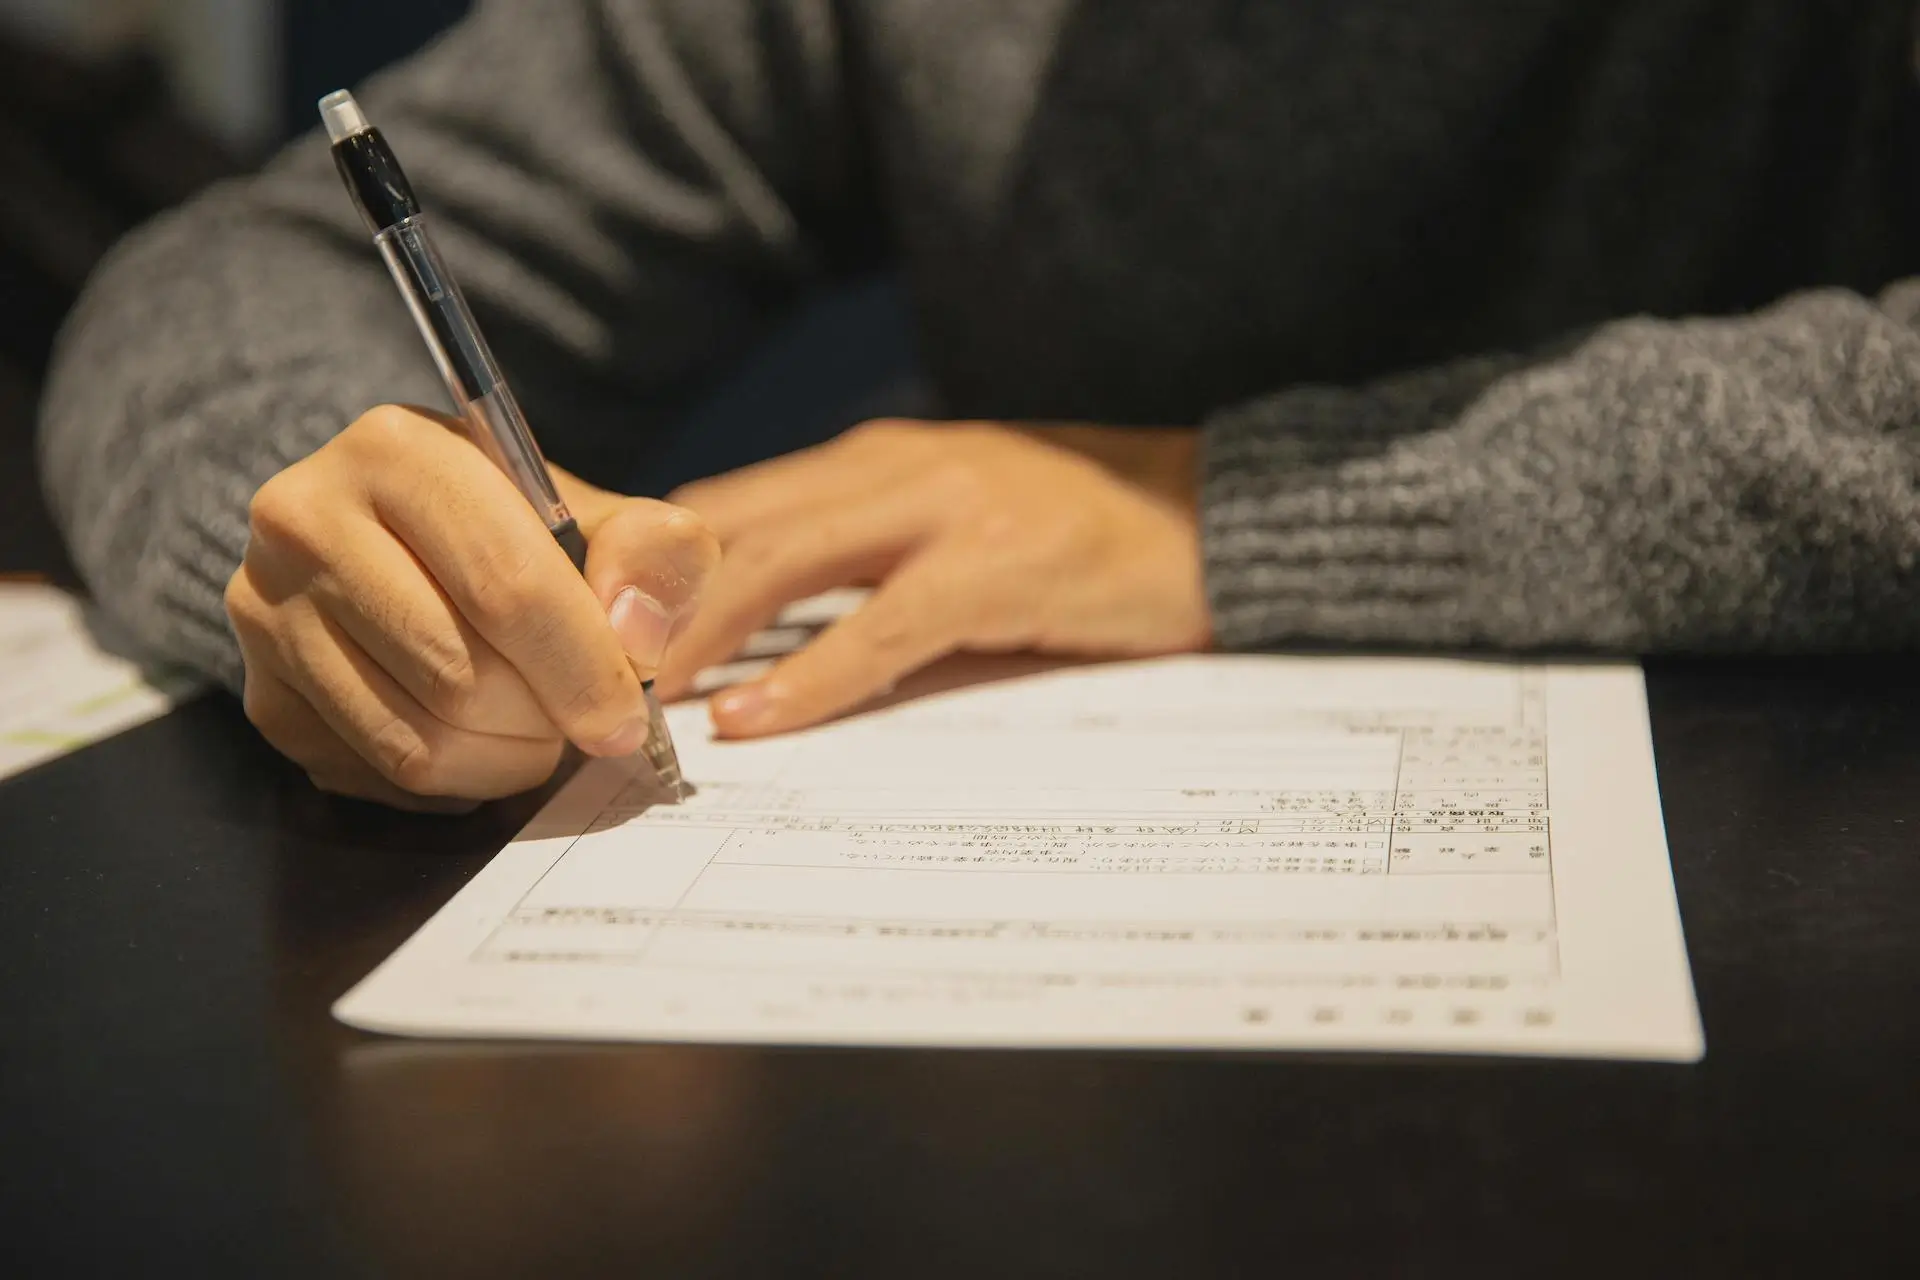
1229,852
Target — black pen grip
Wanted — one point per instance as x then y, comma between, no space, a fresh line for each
572,541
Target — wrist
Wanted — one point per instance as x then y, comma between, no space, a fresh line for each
1164,461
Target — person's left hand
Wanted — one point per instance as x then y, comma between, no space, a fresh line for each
1069,540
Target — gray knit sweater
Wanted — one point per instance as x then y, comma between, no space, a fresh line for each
1430,274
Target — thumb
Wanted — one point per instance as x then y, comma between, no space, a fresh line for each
646,562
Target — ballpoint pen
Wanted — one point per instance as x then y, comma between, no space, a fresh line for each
386,201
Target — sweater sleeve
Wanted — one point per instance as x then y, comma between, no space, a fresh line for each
628,191
1702,485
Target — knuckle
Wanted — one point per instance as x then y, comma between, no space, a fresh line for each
503,585
589,701
759,555
541,639
892,632
807,542
256,623
961,480
295,512
871,429
279,509
705,554
381,430
600,706
882,433
1071,536
453,679
992,435
262,707
404,756
691,496
273,711
1003,608
245,609
694,540
1001,633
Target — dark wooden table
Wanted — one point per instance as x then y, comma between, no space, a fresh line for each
177,910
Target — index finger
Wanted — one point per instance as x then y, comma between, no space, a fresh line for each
912,619
487,548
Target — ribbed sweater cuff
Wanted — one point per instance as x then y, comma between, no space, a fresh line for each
201,530
1314,530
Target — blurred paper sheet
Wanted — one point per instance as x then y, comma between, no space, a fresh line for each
62,685
1243,852
798,623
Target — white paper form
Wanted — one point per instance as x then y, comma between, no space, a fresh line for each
1244,852
60,686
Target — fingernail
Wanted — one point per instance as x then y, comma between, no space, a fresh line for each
630,737
745,704
643,625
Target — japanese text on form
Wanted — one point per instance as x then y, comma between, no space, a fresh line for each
1220,851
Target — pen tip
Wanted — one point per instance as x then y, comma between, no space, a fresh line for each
673,783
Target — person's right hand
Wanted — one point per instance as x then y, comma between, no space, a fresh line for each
413,634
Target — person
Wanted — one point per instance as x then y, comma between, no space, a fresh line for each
1570,324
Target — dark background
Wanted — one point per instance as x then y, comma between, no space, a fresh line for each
90,150
331,43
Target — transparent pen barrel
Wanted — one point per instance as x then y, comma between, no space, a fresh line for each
479,392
